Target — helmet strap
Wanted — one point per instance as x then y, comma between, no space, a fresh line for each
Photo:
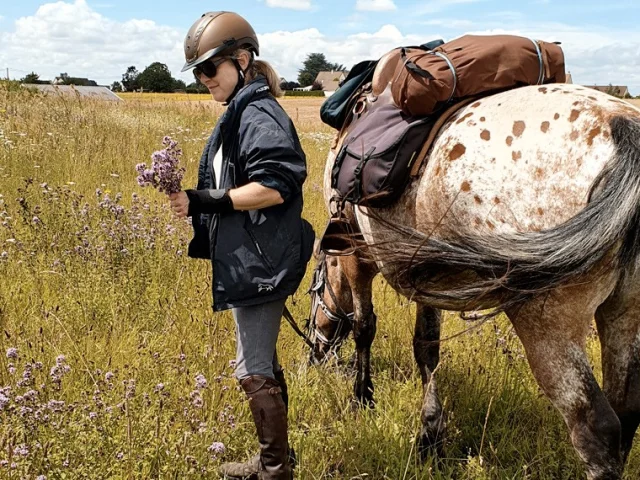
241,78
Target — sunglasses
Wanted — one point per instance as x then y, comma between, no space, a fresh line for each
209,68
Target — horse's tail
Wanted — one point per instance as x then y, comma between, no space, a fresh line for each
515,267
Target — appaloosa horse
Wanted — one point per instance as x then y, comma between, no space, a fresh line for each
529,203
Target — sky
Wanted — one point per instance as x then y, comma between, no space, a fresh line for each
100,39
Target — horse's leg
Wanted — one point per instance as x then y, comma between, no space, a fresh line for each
360,276
618,321
553,331
426,350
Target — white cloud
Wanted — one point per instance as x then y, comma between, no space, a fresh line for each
74,38
375,5
290,4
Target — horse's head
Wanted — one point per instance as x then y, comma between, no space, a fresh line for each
331,317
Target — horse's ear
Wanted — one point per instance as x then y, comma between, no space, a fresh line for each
316,248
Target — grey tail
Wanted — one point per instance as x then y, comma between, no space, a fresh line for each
516,267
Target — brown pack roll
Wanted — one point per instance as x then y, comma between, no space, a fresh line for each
472,65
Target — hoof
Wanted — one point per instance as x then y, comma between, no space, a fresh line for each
431,439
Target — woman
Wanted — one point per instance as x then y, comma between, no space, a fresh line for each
246,214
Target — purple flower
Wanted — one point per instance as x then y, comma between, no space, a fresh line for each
61,360
41,477
93,415
109,376
216,448
201,382
196,399
158,388
130,388
119,455
4,401
165,173
182,357
4,463
55,405
12,353
21,450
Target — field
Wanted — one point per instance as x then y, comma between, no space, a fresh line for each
105,325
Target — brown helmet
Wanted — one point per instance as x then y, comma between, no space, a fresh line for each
217,33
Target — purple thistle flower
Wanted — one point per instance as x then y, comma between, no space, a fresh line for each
4,463
158,388
41,477
4,401
130,388
93,415
196,399
12,353
109,376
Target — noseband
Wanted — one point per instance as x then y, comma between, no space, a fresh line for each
339,317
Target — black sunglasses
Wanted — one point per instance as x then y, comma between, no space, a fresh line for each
208,68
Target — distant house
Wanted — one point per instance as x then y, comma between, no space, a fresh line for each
65,79
330,81
621,91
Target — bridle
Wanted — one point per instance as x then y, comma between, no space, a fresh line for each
342,319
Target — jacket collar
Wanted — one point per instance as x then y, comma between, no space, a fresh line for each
257,88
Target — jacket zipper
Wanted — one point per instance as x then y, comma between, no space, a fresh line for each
260,252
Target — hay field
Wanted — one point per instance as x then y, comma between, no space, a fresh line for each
105,325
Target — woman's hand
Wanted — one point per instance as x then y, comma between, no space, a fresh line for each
179,204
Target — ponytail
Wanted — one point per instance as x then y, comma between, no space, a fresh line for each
260,67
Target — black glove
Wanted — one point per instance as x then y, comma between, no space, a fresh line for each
209,201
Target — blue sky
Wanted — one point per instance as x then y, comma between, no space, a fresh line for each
99,39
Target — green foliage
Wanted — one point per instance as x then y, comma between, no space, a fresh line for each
302,93
157,78
77,81
196,87
130,79
314,64
33,79
116,87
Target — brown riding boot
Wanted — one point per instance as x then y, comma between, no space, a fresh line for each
249,470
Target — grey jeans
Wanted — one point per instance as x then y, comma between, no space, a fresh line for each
257,329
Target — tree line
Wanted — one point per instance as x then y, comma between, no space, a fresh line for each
157,78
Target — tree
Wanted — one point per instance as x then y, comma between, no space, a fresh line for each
32,78
197,87
157,78
289,85
130,79
314,64
116,87
179,85
316,86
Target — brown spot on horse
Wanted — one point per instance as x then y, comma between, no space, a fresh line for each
476,105
543,90
516,155
485,135
574,135
466,186
556,116
496,200
540,211
574,115
482,119
463,118
545,127
490,225
518,128
593,133
509,140
457,151
539,173
477,199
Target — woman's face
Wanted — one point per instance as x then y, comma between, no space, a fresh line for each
224,82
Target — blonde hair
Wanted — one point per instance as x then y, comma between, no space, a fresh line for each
260,67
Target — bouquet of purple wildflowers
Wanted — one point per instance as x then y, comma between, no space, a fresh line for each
165,173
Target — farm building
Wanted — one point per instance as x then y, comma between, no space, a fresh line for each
621,91
98,93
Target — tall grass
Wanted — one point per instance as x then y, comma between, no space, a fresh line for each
111,325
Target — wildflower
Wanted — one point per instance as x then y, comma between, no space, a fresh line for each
216,448
119,455
4,401
201,382
12,353
182,357
196,399
36,220
109,376
21,450
130,388
4,255
232,364
55,405
165,173
41,477
93,415
158,388
4,463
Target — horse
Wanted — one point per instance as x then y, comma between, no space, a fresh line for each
528,204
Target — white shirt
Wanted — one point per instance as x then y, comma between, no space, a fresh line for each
217,165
